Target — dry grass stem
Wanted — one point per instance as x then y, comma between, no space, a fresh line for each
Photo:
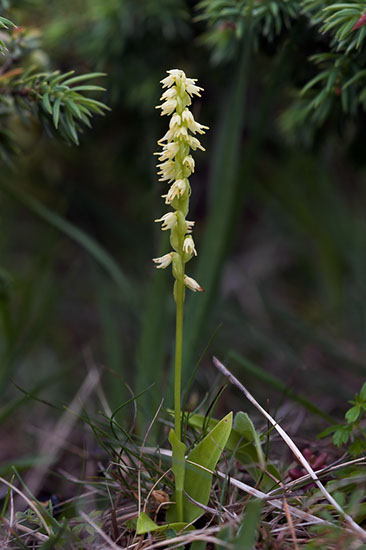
297,453
30,503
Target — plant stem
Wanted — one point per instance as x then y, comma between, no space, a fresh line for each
180,291
178,357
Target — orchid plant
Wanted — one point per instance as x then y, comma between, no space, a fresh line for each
193,474
176,166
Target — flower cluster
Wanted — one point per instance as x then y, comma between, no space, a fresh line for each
175,167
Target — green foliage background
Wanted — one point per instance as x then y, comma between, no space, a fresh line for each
279,197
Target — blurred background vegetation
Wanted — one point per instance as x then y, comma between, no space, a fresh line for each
279,199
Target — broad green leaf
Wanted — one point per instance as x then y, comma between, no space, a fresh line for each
240,442
244,441
144,525
200,464
177,526
340,436
353,413
245,427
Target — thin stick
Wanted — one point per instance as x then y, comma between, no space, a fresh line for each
325,470
27,530
290,523
300,457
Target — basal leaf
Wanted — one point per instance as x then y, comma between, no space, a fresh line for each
200,464
245,427
146,525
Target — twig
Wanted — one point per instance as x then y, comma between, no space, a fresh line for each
19,527
300,457
290,523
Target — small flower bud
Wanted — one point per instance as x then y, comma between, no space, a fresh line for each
192,284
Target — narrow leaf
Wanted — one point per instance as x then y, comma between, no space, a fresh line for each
56,111
46,103
82,77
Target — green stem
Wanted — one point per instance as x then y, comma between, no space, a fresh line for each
178,358
177,382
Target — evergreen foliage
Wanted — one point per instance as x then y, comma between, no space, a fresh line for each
29,90
338,29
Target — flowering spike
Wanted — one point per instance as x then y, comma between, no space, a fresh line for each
176,166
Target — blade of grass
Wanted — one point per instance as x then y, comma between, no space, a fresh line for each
75,234
151,346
